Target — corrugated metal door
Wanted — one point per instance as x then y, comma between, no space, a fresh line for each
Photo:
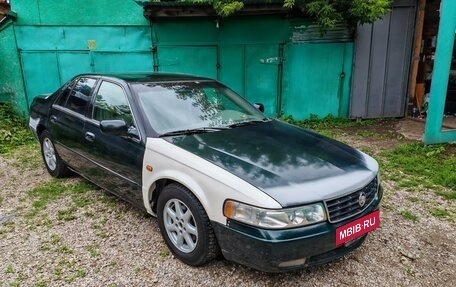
382,61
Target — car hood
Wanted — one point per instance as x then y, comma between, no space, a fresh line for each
283,160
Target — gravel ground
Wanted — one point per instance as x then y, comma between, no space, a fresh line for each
105,242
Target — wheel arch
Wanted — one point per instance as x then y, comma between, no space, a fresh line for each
152,192
40,129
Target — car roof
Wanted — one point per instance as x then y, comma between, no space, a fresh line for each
150,77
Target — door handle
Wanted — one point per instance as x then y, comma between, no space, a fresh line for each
89,136
53,118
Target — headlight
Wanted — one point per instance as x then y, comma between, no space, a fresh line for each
275,218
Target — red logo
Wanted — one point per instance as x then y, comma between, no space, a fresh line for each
358,227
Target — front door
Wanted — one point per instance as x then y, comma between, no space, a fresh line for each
115,162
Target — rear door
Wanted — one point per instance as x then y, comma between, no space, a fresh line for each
67,118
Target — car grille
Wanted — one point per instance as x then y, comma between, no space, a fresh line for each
348,205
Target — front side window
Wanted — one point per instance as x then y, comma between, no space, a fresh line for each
79,96
111,104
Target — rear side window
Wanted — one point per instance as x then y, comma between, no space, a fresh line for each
79,97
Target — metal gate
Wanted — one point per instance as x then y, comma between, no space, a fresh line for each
71,50
382,62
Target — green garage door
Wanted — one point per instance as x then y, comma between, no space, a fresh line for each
253,72
45,71
194,60
140,61
41,73
316,80
262,75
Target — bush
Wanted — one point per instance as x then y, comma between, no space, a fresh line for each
14,130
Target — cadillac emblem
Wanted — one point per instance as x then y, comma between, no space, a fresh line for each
362,199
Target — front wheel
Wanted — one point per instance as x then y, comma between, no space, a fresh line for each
54,164
185,226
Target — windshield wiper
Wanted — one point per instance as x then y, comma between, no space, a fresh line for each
193,131
248,122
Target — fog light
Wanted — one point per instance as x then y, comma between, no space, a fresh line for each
291,263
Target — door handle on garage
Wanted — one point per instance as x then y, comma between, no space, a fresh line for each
89,136
53,118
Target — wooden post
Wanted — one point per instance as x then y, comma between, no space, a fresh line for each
416,51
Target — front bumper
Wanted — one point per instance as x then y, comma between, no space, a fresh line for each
283,250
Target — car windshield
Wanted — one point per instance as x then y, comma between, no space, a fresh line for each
174,107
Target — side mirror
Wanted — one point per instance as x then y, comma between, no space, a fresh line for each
259,106
114,127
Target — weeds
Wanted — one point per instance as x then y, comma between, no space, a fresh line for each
50,191
447,195
13,129
9,269
328,122
441,213
66,214
426,166
164,252
94,250
410,216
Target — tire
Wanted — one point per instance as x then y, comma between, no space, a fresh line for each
185,226
54,164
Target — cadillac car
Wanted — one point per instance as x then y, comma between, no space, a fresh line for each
220,177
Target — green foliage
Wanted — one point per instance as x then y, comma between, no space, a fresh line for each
447,195
13,129
328,122
9,269
226,7
441,213
46,193
327,13
429,165
409,215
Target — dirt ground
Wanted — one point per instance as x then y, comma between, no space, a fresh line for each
105,242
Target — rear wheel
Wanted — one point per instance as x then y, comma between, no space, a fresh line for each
185,226
54,164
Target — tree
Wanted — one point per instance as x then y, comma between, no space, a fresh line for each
325,12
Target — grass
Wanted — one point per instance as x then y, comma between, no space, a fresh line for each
441,213
66,214
93,249
164,252
447,195
47,192
55,244
328,122
9,269
423,166
14,130
409,215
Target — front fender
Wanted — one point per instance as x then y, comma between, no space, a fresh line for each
211,184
